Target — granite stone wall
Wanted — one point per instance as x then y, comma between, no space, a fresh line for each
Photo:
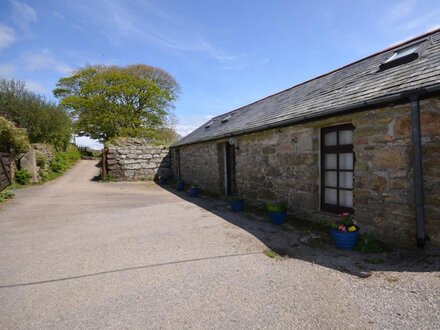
284,164
135,159
200,164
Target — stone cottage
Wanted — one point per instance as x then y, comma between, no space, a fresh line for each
364,138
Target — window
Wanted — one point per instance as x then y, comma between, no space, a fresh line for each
224,120
208,125
337,167
404,55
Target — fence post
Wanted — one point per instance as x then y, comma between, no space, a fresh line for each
104,163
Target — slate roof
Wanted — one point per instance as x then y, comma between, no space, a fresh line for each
351,85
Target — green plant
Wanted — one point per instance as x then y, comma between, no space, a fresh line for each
109,178
4,195
276,207
12,137
22,176
44,120
367,244
345,222
194,186
41,160
271,254
63,160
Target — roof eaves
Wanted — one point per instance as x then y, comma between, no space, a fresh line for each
386,99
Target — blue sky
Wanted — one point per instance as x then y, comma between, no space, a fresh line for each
224,54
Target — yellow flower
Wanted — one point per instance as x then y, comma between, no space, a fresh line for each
352,228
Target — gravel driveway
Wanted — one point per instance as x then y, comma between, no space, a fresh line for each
75,253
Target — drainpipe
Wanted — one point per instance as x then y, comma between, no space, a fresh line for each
418,171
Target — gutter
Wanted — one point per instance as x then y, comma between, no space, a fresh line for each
421,237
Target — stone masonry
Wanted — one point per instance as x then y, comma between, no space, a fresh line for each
284,164
134,159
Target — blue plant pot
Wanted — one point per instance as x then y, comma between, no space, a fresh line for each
162,181
237,206
345,240
193,192
180,186
278,218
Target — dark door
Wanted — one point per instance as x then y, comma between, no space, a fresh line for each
177,154
230,169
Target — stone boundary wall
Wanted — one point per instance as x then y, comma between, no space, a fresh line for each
284,164
135,159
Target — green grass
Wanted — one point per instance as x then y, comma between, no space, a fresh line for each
271,254
5,195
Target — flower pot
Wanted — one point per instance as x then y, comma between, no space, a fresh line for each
237,205
180,186
277,218
193,192
344,239
162,181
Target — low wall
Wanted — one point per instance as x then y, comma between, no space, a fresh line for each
134,159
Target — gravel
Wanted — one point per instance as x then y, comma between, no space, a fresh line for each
75,253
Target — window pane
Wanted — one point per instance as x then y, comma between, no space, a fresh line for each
330,178
346,161
330,139
330,196
330,161
346,198
346,179
346,137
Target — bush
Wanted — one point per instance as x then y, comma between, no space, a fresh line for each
44,121
4,195
41,160
12,138
22,176
63,160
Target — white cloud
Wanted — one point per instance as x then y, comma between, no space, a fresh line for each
43,61
34,86
84,141
23,14
7,36
190,123
58,15
409,18
7,70
146,23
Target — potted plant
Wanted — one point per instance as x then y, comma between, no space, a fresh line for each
345,232
193,190
277,212
237,203
180,186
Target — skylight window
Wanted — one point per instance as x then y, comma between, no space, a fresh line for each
403,55
224,120
403,52
208,125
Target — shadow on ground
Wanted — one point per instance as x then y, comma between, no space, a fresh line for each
315,246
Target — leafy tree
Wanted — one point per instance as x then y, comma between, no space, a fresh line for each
111,101
44,121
